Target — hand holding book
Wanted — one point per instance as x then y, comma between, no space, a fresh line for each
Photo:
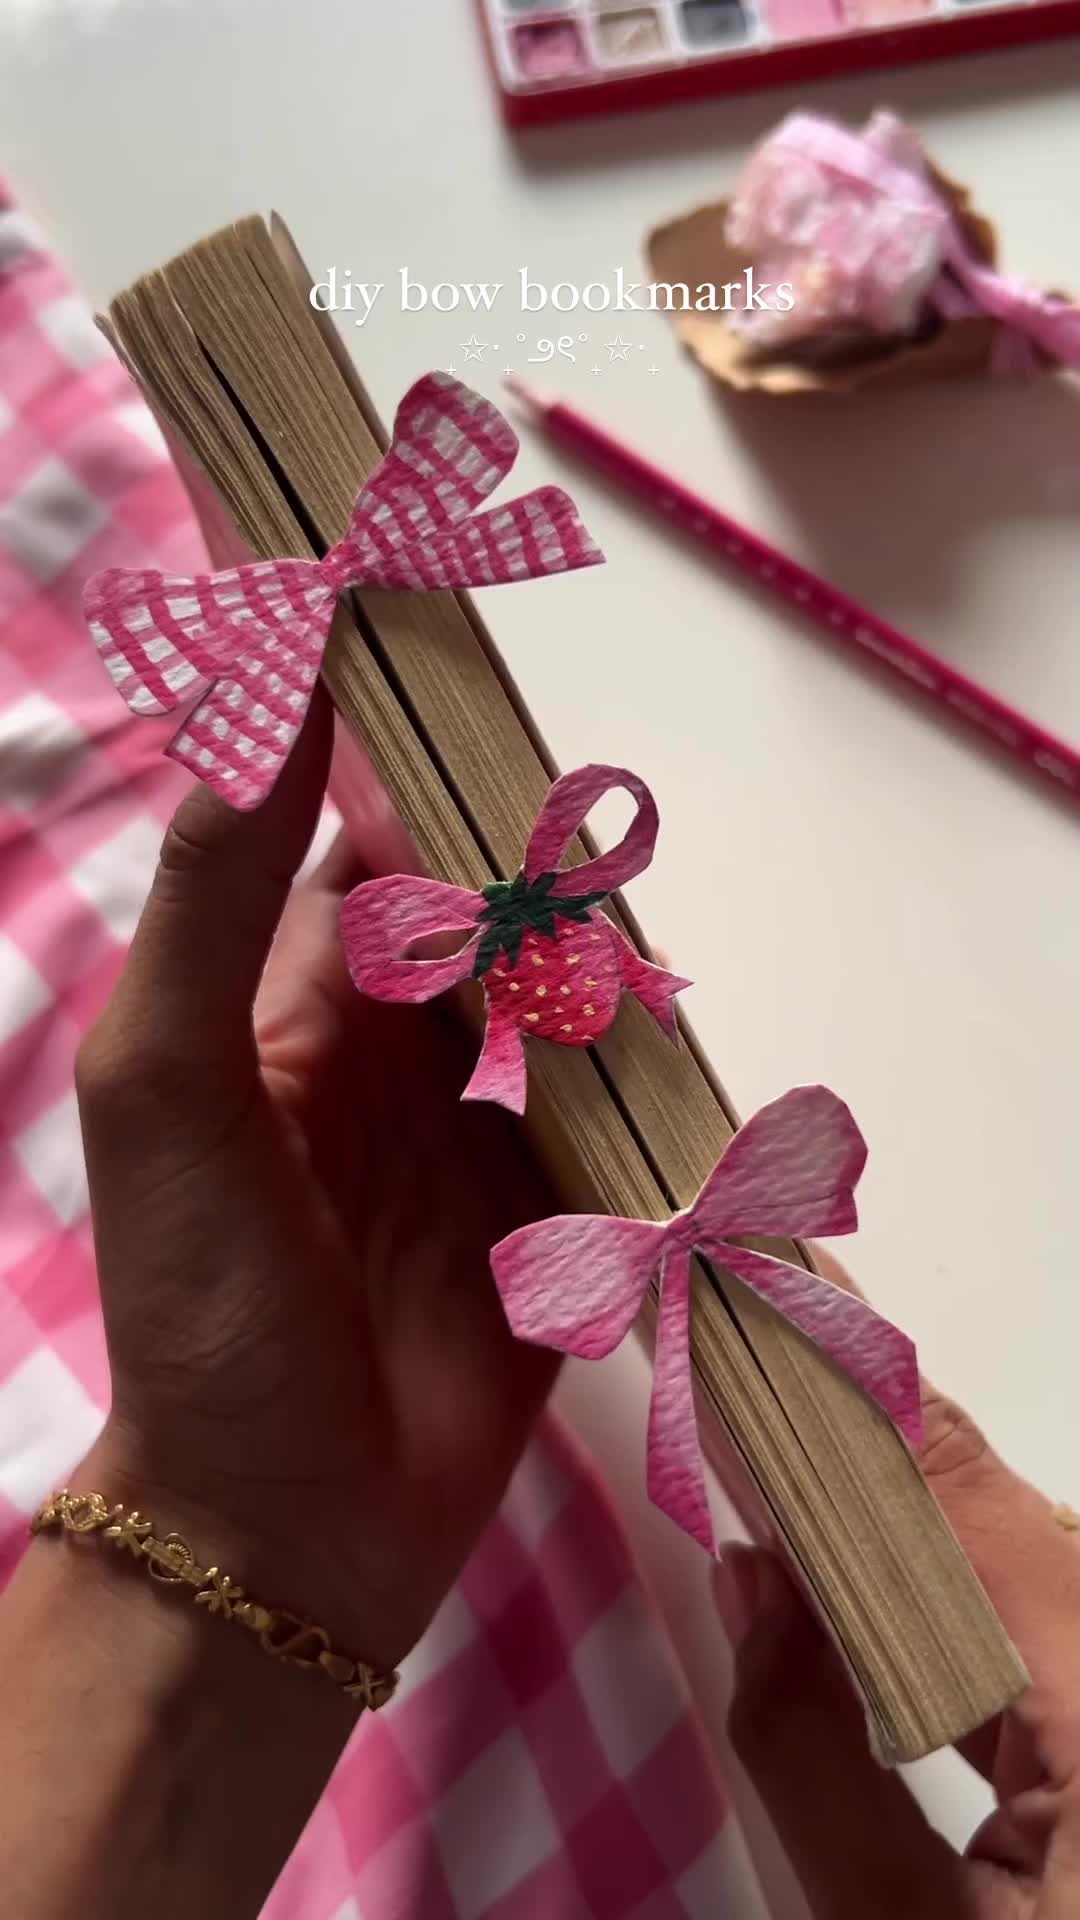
859,1843
791,1169
293,1406
255,1134
276,434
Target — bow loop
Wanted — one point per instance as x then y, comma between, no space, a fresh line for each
382,919
416,526
576,1282
450,449
791,1172
564,813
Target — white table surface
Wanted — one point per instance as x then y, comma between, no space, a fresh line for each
862,895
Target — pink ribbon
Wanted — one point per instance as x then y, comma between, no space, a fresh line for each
549,962
577,1282
243,647
858,224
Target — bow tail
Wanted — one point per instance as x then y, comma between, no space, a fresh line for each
239,649
499,1074
239,736
1047,320
152,636
676,1471
869,1349
654,986
416,524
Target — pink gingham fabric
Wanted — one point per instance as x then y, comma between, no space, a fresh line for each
249,641
541,1761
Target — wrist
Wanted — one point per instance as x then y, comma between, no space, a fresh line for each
145,1628
285,1550
181,1708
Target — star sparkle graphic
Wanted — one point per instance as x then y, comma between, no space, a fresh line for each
618,348
474,349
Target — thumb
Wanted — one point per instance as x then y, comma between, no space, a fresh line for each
858,1842
183,1003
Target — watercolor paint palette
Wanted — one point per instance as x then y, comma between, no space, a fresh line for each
556,58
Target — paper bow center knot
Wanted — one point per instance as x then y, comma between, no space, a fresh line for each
550,963
242,648
577,1282
516,907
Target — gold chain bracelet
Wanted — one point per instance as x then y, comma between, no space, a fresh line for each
172,1562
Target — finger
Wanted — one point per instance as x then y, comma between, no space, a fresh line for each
1030,1569
1028,1563
1033,1841
857,1840
186,993
341,868
379,836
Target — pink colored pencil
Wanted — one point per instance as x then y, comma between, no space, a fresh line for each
836,612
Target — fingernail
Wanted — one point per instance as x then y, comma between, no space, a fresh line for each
746,1582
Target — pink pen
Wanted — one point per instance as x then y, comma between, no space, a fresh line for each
833,610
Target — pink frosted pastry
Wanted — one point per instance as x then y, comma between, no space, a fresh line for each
862,232
813,208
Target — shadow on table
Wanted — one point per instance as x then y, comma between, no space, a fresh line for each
892,490
892,494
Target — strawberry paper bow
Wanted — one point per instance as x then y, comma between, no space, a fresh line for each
246,645
550,964
576,1282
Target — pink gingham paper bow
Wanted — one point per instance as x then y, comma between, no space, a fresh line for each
576,1282
858,227
550,964
246,644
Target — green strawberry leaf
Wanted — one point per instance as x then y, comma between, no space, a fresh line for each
498,897
486,953
579,906
513,907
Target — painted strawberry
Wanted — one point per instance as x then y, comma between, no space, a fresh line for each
551,966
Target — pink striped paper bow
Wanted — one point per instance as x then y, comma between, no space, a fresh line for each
246,645
550,964
576,1282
